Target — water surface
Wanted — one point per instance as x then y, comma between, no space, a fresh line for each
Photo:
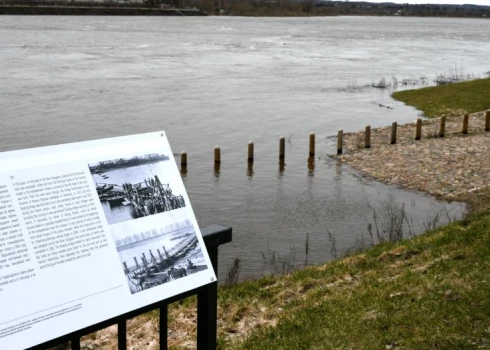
225,81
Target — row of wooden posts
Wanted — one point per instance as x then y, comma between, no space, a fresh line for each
418,131
282,151
340,137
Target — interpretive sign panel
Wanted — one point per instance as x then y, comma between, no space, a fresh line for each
90,231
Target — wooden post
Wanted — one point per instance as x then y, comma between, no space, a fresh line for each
282,147
217,155
340,141
160,255
250,151
282,166
312,144
367,141
487,120
183,159
442,130
393,132
418,129
466,119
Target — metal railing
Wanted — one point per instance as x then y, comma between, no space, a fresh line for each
207,306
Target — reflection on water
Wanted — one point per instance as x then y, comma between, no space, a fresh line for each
250,170
217,169
311,165
282,167
333,207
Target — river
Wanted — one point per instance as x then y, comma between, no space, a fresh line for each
224,81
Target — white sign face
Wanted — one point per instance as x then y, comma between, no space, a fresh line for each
92,230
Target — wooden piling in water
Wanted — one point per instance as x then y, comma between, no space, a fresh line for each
442,129
393,132
136,262
282,147
418,129
466,121
487,120
160,254
217,155
145,263
250,151
183,159
367,137
340,141
312,144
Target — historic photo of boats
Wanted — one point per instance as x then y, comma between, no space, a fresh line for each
155,255
135,187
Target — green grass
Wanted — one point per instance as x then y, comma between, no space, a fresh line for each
454,99
431,292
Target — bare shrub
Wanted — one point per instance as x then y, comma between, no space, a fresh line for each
433,131
233,272
388,221
353,86
331,239
359,140
307,248
277,264
454,75
381,84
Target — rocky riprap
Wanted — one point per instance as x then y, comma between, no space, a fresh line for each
448,167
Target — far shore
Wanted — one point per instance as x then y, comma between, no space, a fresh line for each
304,8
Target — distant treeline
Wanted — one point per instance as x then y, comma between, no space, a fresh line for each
241,8
104,166
337,8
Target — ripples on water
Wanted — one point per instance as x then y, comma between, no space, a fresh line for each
225,81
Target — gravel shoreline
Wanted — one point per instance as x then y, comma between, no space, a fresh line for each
448,167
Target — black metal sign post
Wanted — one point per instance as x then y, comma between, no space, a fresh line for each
207,306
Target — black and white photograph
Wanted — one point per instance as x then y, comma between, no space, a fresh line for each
155,255
135,187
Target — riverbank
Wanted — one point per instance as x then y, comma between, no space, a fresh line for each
303,8
449,167
64,10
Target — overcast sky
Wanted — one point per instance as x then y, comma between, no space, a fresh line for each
454,2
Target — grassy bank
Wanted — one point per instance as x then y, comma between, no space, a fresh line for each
454,99
429,292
